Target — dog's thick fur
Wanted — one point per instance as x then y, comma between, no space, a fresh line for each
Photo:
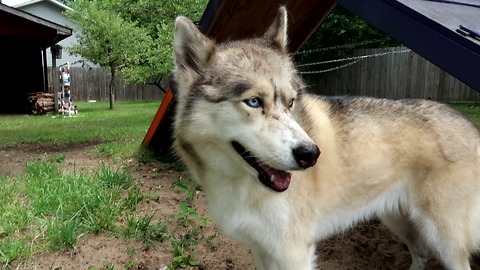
247,131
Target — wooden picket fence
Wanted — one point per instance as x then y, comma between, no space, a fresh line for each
92,83
396,76
393,75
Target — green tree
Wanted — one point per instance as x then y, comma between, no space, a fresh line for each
157,17
66,2
107,39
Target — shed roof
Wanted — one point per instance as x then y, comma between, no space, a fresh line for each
32,2
430,28
17,26
236,19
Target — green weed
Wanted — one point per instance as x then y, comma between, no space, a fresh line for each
186,214
61,234
134,196
14,210
131,264
181,260
141,228
12,249
187,186
183,241
109,266
60,158
107,148
100,213
113,178
131,251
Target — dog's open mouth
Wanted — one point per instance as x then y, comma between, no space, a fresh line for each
272,178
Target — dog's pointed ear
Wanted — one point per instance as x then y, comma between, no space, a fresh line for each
192,50
276,34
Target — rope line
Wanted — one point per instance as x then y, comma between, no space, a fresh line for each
330,69
353,59
344,46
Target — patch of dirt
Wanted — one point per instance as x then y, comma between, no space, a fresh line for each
368,246
50,148
78,156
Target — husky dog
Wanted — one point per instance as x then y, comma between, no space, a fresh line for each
251,136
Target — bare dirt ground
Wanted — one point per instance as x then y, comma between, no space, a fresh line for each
368,246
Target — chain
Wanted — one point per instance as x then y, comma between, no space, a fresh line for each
330,69
354,60
344,46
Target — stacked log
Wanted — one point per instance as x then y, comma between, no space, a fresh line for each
40,103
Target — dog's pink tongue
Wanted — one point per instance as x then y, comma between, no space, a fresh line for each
280,179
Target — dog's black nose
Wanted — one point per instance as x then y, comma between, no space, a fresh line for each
306,155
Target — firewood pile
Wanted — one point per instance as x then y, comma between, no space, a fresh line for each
40,103
43,103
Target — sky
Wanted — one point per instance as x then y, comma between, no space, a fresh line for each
13,2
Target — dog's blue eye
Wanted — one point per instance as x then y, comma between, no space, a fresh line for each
253,102
291,103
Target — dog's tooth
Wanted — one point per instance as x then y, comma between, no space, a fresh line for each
272,178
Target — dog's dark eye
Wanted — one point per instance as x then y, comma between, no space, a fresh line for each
254,102
291,103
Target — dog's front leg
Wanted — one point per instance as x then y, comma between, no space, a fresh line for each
263,261
298,258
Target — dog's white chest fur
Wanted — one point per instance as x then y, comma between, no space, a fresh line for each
244,210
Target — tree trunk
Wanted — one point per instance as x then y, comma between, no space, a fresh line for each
112,86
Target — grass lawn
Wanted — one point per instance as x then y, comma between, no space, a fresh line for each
472,111
121,129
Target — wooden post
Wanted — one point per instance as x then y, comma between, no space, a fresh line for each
45,70
55,81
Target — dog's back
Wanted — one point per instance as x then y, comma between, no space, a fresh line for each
413,163
403,120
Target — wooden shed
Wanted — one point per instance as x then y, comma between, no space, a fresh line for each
24,39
